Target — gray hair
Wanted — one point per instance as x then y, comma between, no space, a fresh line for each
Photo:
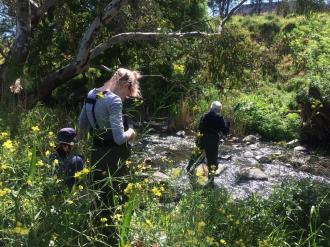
216,107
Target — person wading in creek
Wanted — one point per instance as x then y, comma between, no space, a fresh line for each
211,125
102,115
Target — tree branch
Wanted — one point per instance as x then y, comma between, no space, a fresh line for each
37,12
231,12
140,36
109,13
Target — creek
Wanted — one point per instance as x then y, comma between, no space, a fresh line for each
246,165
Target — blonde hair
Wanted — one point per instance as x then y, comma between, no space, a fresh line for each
216,107
123,75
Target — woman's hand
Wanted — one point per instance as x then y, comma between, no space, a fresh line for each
131,135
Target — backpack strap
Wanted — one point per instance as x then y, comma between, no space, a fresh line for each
92,101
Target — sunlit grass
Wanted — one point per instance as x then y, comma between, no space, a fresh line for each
37,209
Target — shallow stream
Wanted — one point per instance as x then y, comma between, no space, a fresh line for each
236,157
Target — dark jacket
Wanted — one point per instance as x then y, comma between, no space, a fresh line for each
212,123
66,167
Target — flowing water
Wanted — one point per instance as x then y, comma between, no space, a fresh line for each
275,163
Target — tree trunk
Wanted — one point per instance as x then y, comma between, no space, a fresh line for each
12,68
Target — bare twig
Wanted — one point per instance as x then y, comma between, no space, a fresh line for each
231,12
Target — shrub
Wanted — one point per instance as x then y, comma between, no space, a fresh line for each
268,115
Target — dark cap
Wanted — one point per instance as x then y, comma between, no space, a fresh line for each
66,136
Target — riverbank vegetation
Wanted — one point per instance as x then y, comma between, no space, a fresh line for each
271,73
38,210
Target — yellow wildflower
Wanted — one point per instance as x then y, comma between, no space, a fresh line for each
35,129
156,191
40,163
176,172
50,134
85,171
138,186
178,68
69,202
80,187
128,188
3,135
47,153
210,240
223,242
149,223
3,167
8,145
4,191
240,243
52,144
200,226
103,219
82,173
201,178
117,218
55,162
20,230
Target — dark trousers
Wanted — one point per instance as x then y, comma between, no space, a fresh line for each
210,143
109,171
108,177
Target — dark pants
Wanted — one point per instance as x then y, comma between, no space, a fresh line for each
108,177
210,143
109,171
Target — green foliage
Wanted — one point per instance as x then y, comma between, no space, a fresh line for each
229,58
212,218
269,30
267,113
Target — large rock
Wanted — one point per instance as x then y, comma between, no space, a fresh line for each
254,146
293,143
250,139
159,176
181,133
248,154
252,173
299,149
263,159
221,169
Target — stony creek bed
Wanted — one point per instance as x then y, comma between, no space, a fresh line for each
246,165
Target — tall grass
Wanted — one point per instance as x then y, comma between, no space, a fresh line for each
37,209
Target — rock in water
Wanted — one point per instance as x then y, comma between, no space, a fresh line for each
250,139
181,133
293,143
299,149
160,177
263,159
252,173
248,154
220,169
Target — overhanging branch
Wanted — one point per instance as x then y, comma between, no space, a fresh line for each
141,36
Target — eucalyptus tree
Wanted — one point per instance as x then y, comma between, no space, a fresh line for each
56,40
